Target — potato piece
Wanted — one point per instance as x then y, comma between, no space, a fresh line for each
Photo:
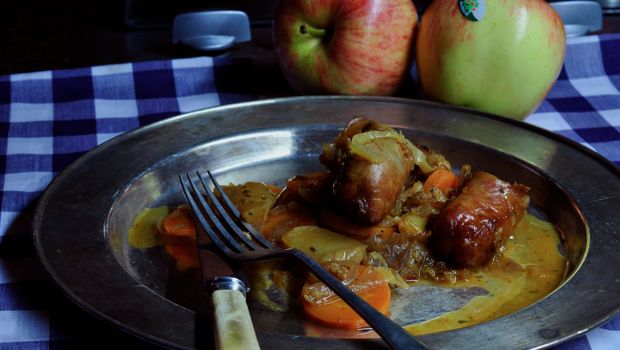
253,200
324,245
143,232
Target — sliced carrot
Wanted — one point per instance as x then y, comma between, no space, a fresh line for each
185,256
443,179
284,218
337,313
340,224
178,227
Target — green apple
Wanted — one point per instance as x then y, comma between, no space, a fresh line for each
353,47
503,59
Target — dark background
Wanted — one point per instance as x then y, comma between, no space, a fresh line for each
42,35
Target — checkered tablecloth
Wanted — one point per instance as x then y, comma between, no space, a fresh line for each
48,119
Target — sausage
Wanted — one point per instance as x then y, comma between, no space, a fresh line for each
362,190
471,228
311,188
367,192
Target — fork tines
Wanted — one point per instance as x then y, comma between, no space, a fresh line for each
219,217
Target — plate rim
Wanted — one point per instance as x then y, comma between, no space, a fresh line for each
44,199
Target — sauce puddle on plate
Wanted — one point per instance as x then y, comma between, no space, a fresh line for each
530,268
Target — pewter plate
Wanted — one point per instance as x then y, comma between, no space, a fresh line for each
81,222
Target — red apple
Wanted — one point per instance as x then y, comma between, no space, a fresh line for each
353,47
503,63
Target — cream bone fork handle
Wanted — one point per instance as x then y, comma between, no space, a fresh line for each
232,325
222,222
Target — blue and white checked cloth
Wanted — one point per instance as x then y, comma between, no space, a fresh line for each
48,119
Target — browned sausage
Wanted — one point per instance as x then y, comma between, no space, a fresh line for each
470,229
364,191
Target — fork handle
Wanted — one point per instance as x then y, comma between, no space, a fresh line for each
392,333
233,327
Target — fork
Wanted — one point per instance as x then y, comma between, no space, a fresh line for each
238,240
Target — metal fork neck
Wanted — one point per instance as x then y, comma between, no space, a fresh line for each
226,283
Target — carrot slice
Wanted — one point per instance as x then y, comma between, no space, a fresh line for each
185,256
443,179
338,314
178,227
284,218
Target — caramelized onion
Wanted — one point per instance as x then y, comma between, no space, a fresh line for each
359,146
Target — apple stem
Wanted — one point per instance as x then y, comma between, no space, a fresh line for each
304,29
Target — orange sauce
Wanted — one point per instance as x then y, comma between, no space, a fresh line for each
530,268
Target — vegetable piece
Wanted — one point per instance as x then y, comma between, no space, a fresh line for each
274,285
343,270
443,179
340,224
392,277
284,218
178,227
377,261
253,200
410,258
368,284
357,278
436,160
359,146
323,245
412,224
185,256
143,232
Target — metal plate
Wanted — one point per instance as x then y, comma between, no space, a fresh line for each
81,223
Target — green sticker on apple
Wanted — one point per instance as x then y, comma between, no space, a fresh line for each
472,9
